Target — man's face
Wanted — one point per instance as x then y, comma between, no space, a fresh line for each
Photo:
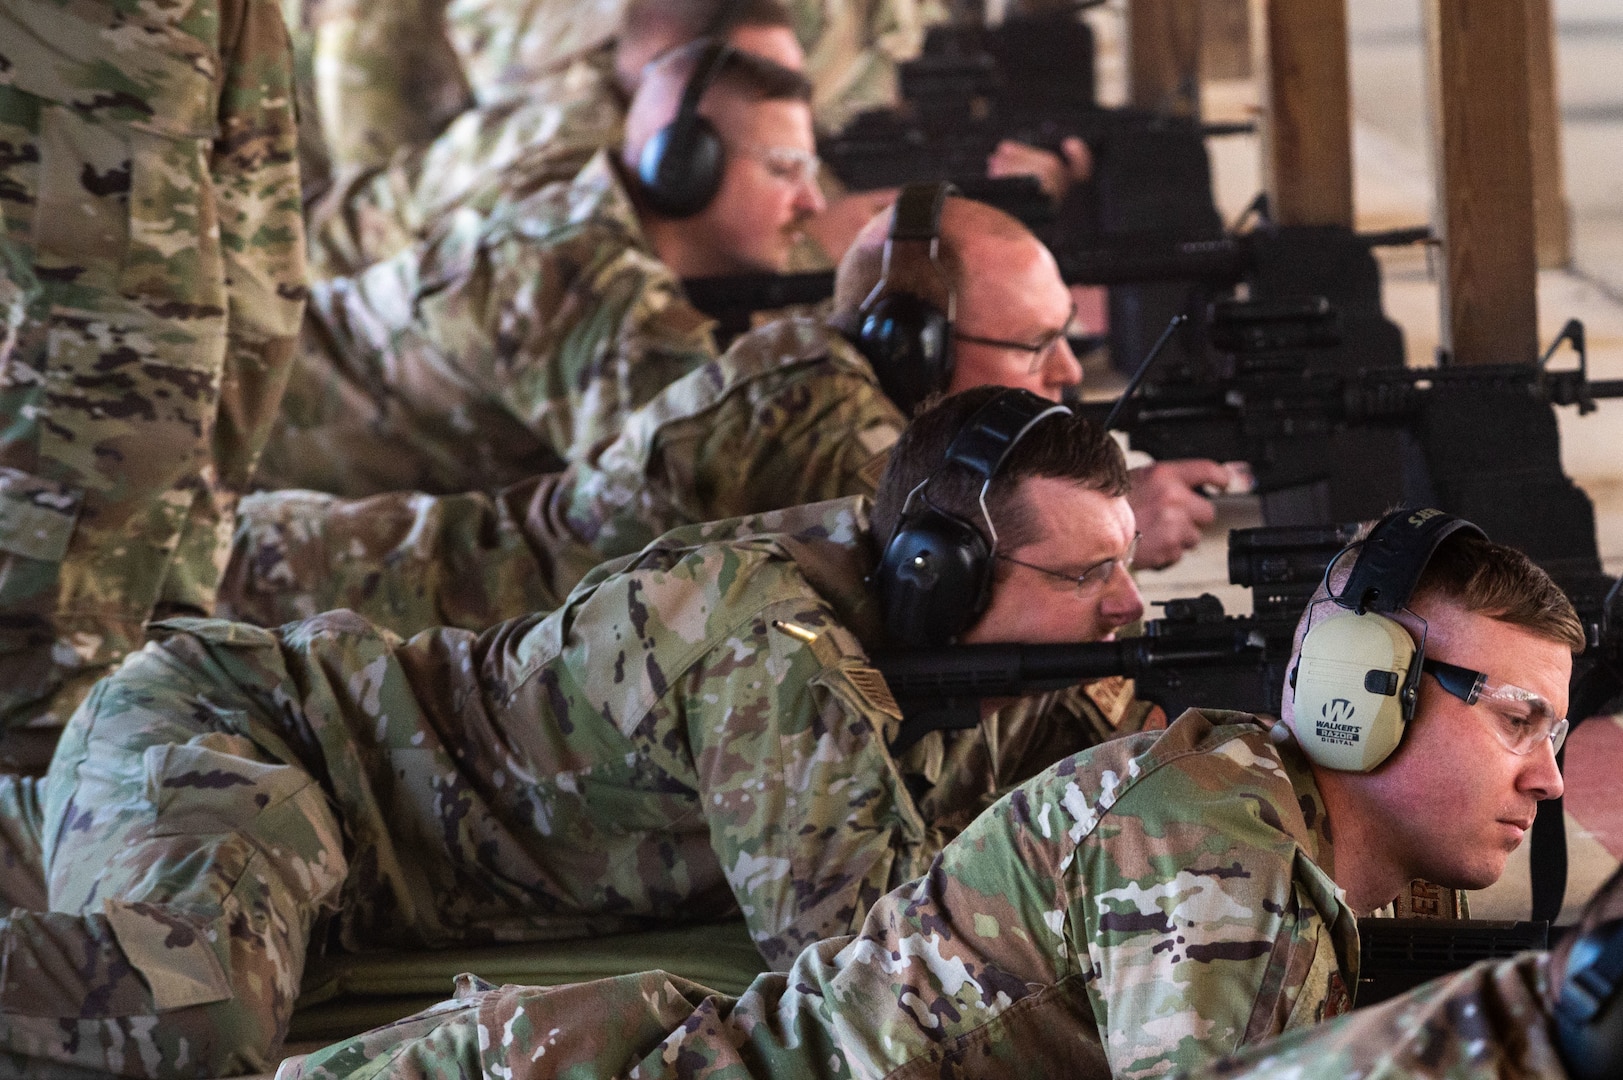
1077,528
766,193
1452,799
1014,293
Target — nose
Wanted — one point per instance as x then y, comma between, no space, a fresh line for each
1061,369
1541,777
1121,602
809,197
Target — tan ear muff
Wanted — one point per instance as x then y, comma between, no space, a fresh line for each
1351,686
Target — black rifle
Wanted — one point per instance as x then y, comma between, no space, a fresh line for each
1195,654
1479,440
1397,955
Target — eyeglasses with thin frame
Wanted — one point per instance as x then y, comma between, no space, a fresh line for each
1090,579
1522,719
1039,349
790,164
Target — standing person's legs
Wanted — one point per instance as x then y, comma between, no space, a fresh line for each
186,864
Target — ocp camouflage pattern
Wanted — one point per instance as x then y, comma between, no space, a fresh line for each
655,752
1146,905
154,260
1491,1021
790,414
507,344
499,150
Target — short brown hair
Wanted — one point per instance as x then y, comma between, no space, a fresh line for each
687,20
742,74
1503,584
1061,447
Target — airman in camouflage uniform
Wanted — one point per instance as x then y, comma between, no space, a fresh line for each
154,267
695,734
790,414
515,339
549,96
1151,903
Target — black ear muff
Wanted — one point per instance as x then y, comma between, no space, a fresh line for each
906,337
681,166
915,339
1589,1010
1357,673
935,576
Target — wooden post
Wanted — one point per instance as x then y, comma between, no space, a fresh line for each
1553,215
1484,169
1163,43
1225,39
1301,51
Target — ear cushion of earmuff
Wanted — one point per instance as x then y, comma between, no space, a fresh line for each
680,167
933,579
1348,710
909,342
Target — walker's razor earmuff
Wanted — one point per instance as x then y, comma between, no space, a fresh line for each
681,165
935,577
1358,673
1589,1010
906,337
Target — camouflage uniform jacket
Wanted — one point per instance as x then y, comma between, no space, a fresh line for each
790,414
1149,904
509,343
151,243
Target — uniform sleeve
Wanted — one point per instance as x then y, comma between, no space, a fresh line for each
1489,1021
564,339
786,438
256,179
807,811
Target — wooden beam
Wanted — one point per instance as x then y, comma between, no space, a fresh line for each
1484,169
1301,51
1553,214
1225,39
1163,65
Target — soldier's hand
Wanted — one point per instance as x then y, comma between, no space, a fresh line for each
1055,173
1171,510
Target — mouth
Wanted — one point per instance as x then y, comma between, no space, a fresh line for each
1518,825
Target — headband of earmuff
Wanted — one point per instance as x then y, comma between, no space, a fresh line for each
907,338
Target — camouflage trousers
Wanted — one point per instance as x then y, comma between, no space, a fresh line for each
1489,1022
162,888
403,560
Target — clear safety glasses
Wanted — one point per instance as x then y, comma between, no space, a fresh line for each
1521,719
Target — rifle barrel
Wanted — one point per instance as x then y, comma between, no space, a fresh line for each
978,671
758,292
